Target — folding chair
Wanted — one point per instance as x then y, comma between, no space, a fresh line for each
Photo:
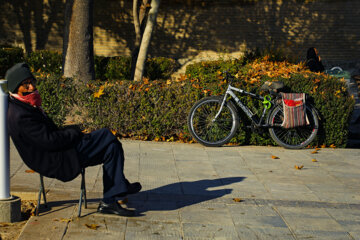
82,194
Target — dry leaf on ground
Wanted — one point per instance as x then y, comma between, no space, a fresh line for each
299,167
92,226
237,199
314,160
123,201
274,157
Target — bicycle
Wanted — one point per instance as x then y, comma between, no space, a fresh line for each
213,121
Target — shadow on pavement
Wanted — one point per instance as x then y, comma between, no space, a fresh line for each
178,195
166,198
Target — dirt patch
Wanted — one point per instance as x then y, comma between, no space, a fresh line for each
11,231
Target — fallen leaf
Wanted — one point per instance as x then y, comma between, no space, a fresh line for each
274,157
29,171
314,160
99,93
317,149
92,226
65,220
237,199
314,152
332,146
323,146
123,201
299,167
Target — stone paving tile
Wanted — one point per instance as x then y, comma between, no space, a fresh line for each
204,231
137,229
49,225
322,235
313,224
263,233
105,228
196,214
355,235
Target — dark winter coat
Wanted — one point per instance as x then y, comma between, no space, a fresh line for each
43,147
313,62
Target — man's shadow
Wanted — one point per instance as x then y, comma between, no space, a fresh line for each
178,195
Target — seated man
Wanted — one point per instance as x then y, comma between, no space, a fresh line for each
61,153
313,60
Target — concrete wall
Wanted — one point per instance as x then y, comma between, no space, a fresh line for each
216,28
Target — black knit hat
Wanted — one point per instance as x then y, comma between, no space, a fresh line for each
16,74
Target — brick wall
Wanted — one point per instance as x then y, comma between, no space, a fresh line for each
213,28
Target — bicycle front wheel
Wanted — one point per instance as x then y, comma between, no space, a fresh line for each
293,138
206,129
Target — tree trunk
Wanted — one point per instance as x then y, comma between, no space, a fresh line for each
78,52
139,14
145,42
23,14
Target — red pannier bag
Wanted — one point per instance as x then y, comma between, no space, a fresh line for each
294,110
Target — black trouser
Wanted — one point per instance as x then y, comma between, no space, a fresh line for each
102,147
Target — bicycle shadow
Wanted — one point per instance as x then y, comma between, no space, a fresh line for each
178,195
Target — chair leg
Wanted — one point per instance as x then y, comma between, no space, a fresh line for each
82,192
41,192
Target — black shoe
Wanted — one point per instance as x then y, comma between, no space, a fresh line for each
134,188
114,208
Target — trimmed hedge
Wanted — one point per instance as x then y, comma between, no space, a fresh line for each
45,61
158,110
9,56
106,68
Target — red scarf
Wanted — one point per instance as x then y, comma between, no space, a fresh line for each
34,98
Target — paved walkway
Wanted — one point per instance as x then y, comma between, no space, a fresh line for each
194,192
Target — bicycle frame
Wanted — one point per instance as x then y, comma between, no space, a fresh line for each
254,118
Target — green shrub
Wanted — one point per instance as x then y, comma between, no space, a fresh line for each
45,61
100,64
208,71
56,93
9,56
160,68
118,68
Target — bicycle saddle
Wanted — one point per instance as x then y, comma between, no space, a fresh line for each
272,86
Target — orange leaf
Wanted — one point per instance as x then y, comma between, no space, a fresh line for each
29,171
124,201
99,93
299,167
274,157
92,226
314,152
314,160
323,146
332,146
237,199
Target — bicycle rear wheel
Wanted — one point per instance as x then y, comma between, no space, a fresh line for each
206,129
293,138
